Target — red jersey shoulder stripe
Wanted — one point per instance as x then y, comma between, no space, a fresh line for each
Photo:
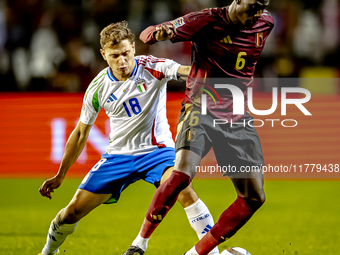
157,74
152,59
154,141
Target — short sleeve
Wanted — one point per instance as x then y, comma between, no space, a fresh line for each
91,108
171,68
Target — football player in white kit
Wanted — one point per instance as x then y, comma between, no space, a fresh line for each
132,90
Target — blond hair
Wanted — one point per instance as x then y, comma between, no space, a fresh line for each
114,33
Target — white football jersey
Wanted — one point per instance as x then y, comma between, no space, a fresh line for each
136,107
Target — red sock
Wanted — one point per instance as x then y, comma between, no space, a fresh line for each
163,200
148,228
206,244
230,221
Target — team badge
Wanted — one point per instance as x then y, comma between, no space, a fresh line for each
259,39
191,135
141,85
177,22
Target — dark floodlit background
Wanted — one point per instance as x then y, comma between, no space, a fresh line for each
49,53
53,45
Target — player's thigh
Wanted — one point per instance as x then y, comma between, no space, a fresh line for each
249,185
187,162
166,174
81,204
111,175
237,148
192,140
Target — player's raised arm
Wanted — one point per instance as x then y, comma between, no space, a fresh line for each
164,32
147,35
74,146
183,72
153,34
181,29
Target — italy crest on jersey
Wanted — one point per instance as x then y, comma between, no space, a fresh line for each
141,85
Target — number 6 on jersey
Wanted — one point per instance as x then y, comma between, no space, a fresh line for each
240,62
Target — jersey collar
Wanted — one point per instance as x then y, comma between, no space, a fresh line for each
113,78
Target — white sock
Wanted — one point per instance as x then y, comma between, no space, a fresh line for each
57,234
200,220
141,242
192,251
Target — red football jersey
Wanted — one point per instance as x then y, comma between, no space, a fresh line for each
219,50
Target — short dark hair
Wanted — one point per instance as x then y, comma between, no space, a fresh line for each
115,33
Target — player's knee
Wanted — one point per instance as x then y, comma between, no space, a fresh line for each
72,214
256,195
250,204
261,197
177,182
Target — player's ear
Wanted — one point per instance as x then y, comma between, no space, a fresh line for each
102,52
238,1
134,48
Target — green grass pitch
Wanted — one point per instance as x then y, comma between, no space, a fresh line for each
299,217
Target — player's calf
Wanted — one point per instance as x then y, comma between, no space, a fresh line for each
234,217
230,221
166,196
187,196
71,214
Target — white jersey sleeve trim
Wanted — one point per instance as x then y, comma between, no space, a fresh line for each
91,102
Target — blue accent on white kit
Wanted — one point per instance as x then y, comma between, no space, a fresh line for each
206,229
112,78
111,98
135,69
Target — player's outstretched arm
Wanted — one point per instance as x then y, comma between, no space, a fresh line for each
183,72
153,34
73,148
164,32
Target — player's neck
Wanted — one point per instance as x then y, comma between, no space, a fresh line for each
232,13
121,77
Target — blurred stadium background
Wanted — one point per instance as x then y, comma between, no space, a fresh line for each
49,53
53,45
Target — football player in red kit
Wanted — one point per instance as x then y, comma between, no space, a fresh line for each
226,43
